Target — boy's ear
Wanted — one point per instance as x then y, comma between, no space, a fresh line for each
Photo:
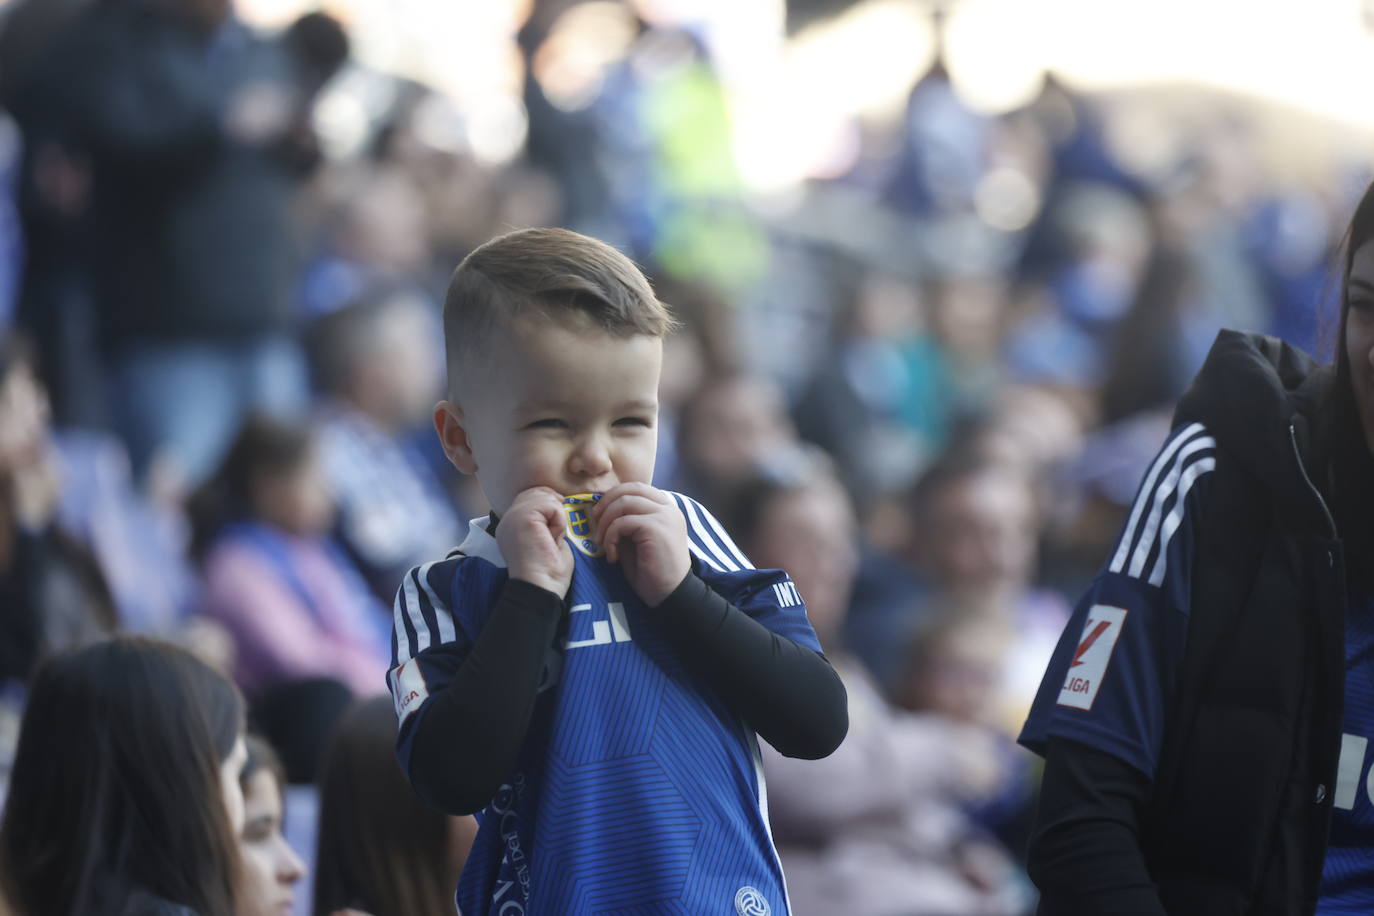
453,435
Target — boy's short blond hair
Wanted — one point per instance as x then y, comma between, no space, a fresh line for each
553,274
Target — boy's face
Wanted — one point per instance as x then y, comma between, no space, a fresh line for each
575,410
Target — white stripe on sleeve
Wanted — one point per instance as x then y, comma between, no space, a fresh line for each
721,536
1162,494
700,542
403,653
423,637
1171,524
447,631
1123,550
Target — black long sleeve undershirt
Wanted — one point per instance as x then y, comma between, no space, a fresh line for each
787,693
1085,854
784,691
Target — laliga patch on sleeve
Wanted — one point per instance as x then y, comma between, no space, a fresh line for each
1088,666
408,689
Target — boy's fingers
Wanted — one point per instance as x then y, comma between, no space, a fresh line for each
620,529
634,528
540,500
621,490
625,507
542,497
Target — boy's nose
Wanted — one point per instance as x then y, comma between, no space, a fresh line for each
591,458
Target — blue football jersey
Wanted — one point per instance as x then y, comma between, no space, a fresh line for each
1114,666
1347,885
636,789
1106,684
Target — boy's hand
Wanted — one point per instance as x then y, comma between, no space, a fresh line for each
641,528
530,536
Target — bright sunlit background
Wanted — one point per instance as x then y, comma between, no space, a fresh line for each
795,98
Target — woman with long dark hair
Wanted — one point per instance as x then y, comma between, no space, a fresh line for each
124,795
271,868
381,850
1206,719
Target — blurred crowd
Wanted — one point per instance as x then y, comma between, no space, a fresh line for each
927,384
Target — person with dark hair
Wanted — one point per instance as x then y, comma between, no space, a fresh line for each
53,593
378,365
381,850
124,798
973,539
293,602
271,868
729,427
1206,718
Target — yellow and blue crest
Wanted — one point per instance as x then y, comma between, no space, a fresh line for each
575,509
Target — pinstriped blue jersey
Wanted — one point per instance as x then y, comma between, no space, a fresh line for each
636,790
1114,666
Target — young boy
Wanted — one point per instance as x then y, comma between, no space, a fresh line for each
589,674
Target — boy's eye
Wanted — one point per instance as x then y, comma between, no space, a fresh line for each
633,421
548,423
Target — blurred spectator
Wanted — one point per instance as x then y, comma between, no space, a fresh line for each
196,133
127,553
880,403
568,60
1074,127
271,868
958,665
1204,211
382,851
876,827
53,196
1292,236
945,144
11,241
704,342
967,315
627,109
975,525
295,605
1148,362
379,238
1105,241
53,594
731,426
379,369
140,545
317,47
125,794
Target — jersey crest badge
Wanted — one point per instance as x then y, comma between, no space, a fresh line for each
575,509
749,902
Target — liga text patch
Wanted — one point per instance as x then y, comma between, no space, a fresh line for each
1088,666
410,690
